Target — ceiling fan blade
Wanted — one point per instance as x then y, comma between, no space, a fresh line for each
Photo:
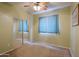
30,5
43,3
44,8
26,5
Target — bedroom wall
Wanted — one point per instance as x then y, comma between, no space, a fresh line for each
5,32
74,36
60,39
9,13
6,23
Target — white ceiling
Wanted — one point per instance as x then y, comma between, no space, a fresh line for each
51,5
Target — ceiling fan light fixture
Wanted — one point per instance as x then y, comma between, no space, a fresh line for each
37,8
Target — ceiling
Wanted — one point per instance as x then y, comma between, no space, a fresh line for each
51,6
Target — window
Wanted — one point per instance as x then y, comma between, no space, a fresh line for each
23,26
49,24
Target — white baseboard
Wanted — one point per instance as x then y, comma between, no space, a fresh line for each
71,52
9,51
51,46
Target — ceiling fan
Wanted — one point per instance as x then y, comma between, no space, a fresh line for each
38,6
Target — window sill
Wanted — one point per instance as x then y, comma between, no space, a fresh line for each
23,32
48,34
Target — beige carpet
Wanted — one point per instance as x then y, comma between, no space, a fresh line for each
39,51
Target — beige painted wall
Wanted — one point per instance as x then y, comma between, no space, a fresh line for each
5,27
5,32
60,39
74,36
7,15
